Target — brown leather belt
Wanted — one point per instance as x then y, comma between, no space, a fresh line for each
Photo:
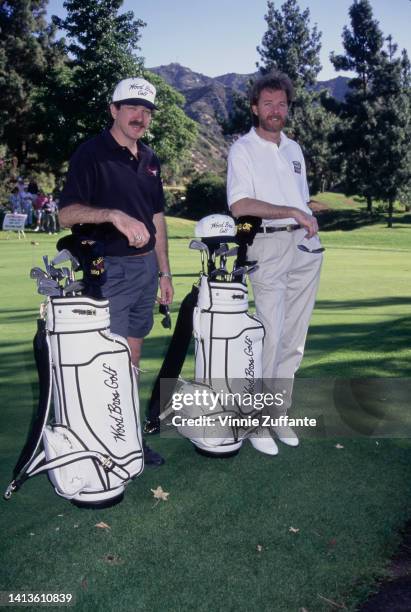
282,228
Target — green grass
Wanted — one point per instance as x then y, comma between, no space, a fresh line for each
222,541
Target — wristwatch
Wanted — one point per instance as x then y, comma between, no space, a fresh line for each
165,274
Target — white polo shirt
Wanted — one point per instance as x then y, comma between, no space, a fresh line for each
259,169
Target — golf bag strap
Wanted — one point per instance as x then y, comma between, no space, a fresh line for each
105,461
176,352
42,354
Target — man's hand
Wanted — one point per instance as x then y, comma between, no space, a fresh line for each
166,290
309,222
135,231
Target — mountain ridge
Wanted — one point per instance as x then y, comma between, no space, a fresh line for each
209,101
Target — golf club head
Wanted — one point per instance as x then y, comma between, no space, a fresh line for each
47,283
49,291
197,245
37,273
222,249
74,287
56,273
65,255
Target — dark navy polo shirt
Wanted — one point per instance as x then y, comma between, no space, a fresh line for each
104,174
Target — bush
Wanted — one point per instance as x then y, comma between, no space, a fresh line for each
206,194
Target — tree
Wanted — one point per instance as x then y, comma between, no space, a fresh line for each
206,194
102,48
289,45
27,52
391,151
172,133
355,133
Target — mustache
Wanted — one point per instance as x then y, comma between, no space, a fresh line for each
136,123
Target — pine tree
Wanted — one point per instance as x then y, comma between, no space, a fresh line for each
391,155
289,45
355,133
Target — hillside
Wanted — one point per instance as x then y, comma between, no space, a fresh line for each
210,99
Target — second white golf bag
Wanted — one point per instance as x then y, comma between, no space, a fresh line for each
92,447
228,355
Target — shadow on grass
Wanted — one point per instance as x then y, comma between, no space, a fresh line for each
347,220
400,300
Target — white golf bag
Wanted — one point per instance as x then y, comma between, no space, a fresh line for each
228,358
228,353
92,447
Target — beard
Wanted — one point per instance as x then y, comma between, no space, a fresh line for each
270,126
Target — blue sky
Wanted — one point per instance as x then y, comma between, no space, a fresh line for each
219,36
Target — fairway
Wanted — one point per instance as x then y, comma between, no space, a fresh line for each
313,525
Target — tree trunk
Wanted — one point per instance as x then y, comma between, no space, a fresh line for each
369,205
390,212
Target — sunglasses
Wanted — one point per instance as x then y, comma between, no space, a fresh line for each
302,247
164,310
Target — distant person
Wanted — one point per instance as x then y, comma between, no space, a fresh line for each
267,180
114,190
15,201
27,206
38,206
50,215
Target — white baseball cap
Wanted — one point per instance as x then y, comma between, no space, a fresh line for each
135,91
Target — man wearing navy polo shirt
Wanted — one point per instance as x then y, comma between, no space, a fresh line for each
114,194
267,179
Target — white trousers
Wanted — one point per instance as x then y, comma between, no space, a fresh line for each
285,287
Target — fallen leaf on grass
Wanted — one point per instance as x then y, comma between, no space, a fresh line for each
159,494
339,446
102,525
294,530
112,559
259,548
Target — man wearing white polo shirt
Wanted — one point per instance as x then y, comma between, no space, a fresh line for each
267,179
